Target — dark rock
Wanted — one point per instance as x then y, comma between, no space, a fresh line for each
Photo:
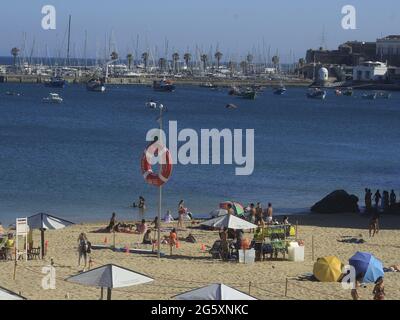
338,201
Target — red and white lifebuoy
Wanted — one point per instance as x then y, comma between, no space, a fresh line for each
165,160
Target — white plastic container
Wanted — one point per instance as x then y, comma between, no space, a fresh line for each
247,256
296,254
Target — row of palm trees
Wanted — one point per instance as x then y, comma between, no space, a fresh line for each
246,65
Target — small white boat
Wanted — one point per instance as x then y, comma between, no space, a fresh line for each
316,94
53,98
370,96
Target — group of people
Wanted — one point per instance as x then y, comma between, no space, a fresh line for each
382,202
257,215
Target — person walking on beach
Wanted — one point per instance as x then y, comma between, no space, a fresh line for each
379,290
270,212
377,198
374,226
368,200
83,249
392,198
181,213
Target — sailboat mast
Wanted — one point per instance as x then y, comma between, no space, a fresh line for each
69,38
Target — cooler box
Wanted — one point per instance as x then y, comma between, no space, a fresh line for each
296,254
247,256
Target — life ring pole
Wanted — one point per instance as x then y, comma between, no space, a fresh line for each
160,192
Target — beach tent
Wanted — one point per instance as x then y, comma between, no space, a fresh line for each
109,276
9,295
216,291
44,221
367,266
328,269
236,206
218,213
229,221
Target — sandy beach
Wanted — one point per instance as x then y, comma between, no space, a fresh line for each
190,268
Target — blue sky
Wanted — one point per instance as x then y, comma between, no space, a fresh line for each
236,27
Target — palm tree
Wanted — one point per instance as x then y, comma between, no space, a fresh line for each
114,57
187,56
244,65
204,59
145,58
218,55
129,57
162,62
175,58
15,53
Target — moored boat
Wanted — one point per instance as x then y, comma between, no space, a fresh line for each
56,82
280,90
163,85
52,98
316,94
370,96
95,85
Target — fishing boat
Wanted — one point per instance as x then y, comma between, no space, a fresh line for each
370,96
280,90
163,85
56,82
52,98
316,94
95,85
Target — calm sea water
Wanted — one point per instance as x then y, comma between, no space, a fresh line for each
81,159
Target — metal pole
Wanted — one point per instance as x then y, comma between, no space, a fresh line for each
159,199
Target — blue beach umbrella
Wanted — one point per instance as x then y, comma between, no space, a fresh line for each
367,266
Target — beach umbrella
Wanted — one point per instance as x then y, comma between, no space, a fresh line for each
229,221
218,213
9,295
44,221
110,276
216,291
236,206
328,269
367,266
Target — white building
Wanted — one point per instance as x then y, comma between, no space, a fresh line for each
370,71
388,46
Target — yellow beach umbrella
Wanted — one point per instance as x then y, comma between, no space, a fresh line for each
328,269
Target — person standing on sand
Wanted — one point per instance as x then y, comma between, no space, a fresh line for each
83,249
392,198
181,213
113,222
368,200
377,198
385,201
259,213
379,290
270,212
